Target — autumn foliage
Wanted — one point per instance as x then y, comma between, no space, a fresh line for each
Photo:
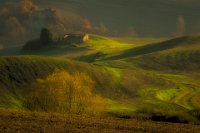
65,93
27,6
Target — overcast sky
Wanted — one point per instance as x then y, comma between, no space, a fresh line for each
146,17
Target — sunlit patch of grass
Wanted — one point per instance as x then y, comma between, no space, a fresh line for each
8,101
105,44
139,40
167,95
178,96
119,107
115,72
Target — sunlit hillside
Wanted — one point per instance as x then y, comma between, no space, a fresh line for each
136,81
100,66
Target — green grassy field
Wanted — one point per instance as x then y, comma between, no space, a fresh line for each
157,81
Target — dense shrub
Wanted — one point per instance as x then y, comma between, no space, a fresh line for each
65,93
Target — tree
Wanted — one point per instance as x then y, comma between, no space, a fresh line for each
180,27
27,6
65,93
46,37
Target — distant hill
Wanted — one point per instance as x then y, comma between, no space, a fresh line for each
179,54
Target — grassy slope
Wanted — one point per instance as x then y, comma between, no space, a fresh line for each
18,72
167,81
175,61
183,55
142,80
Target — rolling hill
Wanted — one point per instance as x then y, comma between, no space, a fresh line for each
17,73
175,54
154,81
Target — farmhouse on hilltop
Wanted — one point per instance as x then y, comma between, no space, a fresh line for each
46,39
75,38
